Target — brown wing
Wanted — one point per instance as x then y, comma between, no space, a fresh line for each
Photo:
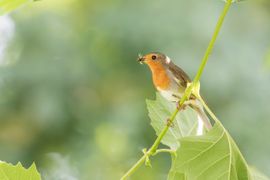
179,74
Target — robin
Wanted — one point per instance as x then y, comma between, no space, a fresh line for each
171,82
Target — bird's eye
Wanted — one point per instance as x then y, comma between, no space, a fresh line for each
154,57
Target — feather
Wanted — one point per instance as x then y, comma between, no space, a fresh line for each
179,74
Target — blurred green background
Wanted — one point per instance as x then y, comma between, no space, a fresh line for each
72,96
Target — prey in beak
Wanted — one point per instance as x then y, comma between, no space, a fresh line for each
140,59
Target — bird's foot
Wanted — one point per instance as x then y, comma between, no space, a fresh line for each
183,107
169,123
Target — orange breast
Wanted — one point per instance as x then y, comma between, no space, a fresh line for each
160,76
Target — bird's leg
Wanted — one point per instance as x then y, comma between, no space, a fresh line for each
183,107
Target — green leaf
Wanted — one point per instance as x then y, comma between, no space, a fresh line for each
174,174
211,156
18,172
185,123
9,5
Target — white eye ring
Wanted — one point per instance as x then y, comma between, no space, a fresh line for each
168,60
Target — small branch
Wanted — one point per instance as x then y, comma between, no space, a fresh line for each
188,91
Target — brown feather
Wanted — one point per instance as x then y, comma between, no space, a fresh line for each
179,74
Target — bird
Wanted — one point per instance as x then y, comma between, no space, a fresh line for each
171,82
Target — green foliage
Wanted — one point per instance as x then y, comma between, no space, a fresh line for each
9,5
213,155
18,172
185,123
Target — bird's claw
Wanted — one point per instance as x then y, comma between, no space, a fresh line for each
169,123
183,107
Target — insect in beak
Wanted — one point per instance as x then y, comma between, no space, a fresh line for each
140,59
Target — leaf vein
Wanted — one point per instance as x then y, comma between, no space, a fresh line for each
204,150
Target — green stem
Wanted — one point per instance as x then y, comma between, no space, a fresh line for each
134,167
171,119
142,160
212,42
152,150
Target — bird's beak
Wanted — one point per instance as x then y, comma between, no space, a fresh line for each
140,59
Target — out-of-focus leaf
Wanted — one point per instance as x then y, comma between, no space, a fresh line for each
256,175
185,123
211,156
234,1
9,5
267,60
18,172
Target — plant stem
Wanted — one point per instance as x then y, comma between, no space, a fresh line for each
171,119
152,150
212,42
134,167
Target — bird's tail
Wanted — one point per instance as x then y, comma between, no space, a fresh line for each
203,120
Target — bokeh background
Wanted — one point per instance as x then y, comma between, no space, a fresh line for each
72,96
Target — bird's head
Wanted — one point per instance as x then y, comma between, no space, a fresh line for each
154,60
